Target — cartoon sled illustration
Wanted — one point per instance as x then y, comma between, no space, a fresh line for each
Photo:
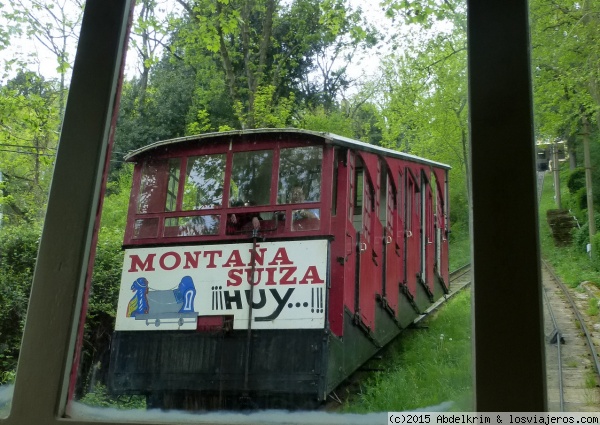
155,306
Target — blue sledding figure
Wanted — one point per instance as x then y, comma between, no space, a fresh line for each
157,305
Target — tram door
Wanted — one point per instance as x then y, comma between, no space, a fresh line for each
393,244
364,208
427,234
411,233
439,230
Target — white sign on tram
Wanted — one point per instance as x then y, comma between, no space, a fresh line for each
168,288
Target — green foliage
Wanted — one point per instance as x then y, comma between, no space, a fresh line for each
459,244
596,250
571,263
331,122
592,309
267,112
576,180
581,236
18,251
256,57
29,120
158,112
579,201
427,13
565,54
99,397
8,377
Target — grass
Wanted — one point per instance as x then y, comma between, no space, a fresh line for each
425,366
592,309
460,248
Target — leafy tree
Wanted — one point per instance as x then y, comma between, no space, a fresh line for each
161,113
319,119
261,47
565,59
424,89
28,119
53,25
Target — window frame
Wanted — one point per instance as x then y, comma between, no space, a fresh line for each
507,300
225,211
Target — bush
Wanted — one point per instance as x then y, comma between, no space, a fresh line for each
580,200
99,397
596,250
576,180
18,252
581,236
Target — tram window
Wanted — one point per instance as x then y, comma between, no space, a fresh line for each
334,182
409,205
300,175
145,228
399,195
383,190
358,199
205,176
308,219
192,226
173,184
358,193
151,197
251,178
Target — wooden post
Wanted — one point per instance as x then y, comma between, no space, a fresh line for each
556,170
588,179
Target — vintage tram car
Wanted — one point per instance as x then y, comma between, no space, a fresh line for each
262,267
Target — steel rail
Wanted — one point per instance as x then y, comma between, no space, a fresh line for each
558,351
577,314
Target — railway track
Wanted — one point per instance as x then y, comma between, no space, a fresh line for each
572,363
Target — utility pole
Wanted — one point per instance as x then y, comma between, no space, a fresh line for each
588,179
556,170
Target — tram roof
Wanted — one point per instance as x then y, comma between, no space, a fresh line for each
328,138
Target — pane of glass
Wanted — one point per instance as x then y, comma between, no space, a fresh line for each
173,185
204,182
192,226
151,196
306,219
145,228
300,175
244,222
251,178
